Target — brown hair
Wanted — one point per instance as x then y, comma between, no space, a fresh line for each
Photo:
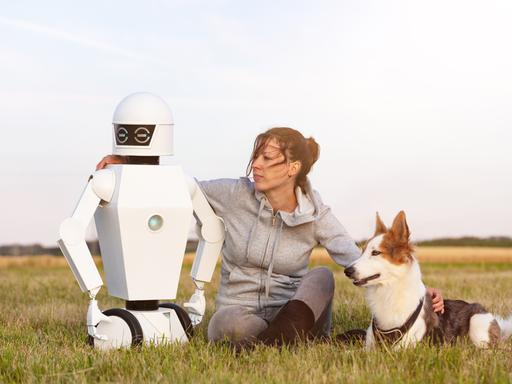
294,146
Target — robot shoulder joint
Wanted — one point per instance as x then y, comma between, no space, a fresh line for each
104,183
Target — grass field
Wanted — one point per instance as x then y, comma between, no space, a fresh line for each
42,332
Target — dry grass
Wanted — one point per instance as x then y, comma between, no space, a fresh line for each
42,334
464,255
448,255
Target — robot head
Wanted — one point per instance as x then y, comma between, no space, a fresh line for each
143,126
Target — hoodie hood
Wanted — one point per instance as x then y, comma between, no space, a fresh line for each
307,210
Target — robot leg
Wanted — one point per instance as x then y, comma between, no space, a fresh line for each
123,330
183,317
130,328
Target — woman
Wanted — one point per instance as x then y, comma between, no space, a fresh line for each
273,223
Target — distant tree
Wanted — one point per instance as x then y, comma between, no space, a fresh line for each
469,241
38,249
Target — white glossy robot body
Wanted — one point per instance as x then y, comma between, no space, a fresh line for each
143,231
143,215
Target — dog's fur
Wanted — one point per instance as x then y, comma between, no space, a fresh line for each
391,276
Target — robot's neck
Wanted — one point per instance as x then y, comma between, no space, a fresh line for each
147,160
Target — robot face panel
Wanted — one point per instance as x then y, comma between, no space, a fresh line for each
133,134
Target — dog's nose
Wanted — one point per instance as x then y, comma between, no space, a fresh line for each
349,271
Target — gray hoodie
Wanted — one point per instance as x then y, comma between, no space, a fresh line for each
266,254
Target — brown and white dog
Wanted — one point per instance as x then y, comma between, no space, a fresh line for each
401,310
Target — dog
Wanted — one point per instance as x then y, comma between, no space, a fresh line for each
402,313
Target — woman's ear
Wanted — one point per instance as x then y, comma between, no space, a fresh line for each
294,168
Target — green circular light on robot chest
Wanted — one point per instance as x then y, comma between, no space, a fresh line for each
155,222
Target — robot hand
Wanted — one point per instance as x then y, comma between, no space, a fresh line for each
94,316
196,306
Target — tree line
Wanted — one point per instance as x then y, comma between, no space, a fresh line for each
38,249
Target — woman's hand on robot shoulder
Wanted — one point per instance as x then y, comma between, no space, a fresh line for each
110,159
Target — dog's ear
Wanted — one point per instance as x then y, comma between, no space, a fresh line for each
380,228
400,228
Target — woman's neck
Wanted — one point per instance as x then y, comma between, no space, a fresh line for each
282,199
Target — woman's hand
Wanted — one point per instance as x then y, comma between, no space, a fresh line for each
110,159
437,299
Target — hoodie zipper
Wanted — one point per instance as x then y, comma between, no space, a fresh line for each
261,287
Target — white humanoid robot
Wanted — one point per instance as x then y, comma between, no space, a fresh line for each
143,220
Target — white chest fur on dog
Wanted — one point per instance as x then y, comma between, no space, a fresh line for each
392,303
395,292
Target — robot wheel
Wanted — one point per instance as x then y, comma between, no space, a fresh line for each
124,328
183,318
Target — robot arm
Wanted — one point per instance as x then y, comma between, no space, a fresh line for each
211,238
72,231
72,240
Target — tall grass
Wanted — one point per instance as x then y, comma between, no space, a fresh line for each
42,336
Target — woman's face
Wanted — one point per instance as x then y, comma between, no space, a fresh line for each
270,169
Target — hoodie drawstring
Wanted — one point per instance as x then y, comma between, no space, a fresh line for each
271,264
254,229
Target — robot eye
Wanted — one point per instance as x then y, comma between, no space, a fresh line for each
142,135
122,135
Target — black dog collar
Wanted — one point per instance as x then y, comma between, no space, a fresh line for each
394,335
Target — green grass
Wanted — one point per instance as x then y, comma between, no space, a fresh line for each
42,338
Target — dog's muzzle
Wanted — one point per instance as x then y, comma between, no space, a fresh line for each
349,272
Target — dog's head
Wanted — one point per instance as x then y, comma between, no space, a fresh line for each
386,256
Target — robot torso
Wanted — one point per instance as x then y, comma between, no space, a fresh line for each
143,231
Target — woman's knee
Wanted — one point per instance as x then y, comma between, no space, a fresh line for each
234,323
316,290
322,278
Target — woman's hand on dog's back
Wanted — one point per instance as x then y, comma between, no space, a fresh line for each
437,299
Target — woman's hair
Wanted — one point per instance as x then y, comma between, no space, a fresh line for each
294,146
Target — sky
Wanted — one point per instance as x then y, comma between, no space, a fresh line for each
409,101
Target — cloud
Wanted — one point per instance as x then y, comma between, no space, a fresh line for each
59,34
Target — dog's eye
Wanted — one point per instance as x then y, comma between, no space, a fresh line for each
376,253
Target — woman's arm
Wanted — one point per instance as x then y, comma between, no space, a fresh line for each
336,240
111,159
